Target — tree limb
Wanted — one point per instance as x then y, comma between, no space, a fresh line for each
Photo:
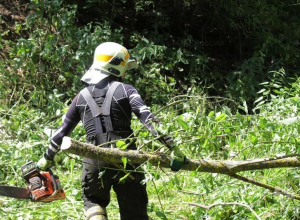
138,157
114,156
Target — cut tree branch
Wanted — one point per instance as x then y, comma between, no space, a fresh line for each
115,155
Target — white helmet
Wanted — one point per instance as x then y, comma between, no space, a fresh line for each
109,59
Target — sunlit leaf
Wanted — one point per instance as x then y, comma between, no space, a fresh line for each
289,121
182,123
211,114
259,99
254,139
123,179
221,117
121,145
124,160
261,91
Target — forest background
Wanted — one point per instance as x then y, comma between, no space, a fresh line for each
222,76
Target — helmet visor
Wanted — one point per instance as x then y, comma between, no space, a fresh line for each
93,76
132,64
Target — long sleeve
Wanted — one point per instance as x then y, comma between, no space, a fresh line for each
139,108
71,120
144,114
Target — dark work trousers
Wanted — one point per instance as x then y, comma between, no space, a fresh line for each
132,195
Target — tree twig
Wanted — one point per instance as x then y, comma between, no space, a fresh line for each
191,192
266,186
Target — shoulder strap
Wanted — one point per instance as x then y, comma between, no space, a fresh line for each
104,110
91,102
95,109
108,99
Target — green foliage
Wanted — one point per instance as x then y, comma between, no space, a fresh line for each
229,56
187,51
204,128
54,56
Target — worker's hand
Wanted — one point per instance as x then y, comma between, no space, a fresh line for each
178,159
44,164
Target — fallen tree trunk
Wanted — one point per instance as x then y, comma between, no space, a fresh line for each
138,157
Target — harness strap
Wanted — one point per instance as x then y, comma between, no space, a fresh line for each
91,102
104,110
95,109
108,99
106,106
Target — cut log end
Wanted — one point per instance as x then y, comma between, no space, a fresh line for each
66,143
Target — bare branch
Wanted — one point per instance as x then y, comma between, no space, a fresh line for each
271,188
190,192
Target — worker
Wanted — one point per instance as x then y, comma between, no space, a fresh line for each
105,108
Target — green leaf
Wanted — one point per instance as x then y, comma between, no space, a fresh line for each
254,139
263,123
245,106
124,160
205,143
221,117
211,114
259,99
276,85
121,145
193,173
261,91
161,215
264,83
227,131
182,123
122,180
289,121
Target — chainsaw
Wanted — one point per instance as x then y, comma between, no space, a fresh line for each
42,186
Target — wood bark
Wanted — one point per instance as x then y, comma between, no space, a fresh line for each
115,155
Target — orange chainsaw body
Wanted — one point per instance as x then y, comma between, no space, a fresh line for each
44,186
50,189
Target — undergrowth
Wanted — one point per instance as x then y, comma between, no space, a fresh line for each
259,118
204,127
